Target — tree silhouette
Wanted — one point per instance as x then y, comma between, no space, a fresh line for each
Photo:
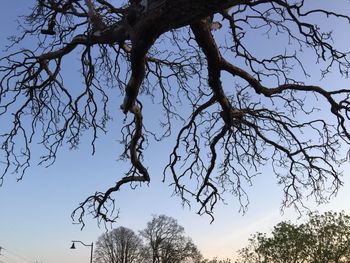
323,238
165,242
121,245
162,241
240,108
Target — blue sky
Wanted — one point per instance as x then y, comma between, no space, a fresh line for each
35,218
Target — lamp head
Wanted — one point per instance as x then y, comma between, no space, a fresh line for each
73,246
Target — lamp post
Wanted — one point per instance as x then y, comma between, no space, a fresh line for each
91,246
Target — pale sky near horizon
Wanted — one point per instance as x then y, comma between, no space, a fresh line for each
35,223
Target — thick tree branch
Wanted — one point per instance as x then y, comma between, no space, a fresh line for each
246,108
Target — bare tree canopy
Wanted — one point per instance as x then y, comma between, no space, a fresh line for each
215,260
166,242
121,245
162,241
240,106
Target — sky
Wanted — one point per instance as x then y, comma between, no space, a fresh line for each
35,223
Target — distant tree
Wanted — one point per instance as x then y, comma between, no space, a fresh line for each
323,239
329,235
230,76
121,245
215,260
166,242
288,244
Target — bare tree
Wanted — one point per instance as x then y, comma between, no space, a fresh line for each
121,245
215,260
167,243
240,107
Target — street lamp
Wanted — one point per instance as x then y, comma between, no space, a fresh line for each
77,241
